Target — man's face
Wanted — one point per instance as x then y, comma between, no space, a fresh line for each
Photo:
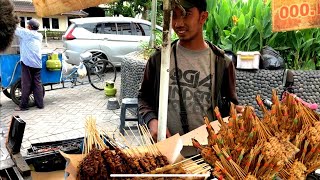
189,26
28,26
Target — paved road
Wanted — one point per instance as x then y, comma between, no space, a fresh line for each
64,114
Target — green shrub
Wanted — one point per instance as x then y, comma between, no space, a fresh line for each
147,50
246,26
53,34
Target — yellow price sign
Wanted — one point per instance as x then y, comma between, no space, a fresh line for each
290,15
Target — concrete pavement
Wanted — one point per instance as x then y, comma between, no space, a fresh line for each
64,114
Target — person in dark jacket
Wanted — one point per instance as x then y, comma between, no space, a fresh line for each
200,73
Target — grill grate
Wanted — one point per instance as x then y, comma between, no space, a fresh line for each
46,157
65,146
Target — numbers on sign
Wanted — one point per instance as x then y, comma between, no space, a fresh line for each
295,11
304,10
284,12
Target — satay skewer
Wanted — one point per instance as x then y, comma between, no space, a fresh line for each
149,137
110,140
202,170
156,147
142,141
131,149
147,140
135,136
146,144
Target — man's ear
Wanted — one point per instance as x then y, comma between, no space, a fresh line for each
203,17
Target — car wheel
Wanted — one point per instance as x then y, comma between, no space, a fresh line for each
96,56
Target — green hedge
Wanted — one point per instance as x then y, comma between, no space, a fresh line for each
57,35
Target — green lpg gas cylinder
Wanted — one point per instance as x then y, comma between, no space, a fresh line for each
109,89
53,63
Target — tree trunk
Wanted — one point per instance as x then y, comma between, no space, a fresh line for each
145,13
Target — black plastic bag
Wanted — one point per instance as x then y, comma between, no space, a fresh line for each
271,59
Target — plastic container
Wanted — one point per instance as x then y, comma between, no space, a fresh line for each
248,60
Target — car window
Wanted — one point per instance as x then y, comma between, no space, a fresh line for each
93,27
139,30
110,28
124,28
146,28
70,27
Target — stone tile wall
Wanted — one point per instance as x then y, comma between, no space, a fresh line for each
249,83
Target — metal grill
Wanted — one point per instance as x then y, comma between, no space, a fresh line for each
65,146
10,174
46,157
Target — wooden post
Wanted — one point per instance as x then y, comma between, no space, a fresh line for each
164,72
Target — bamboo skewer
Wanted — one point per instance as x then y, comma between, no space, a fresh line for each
148,141
134,136
148,132
146,144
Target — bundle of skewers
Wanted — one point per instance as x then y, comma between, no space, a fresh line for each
283,143
101,161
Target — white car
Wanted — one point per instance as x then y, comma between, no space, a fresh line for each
108,37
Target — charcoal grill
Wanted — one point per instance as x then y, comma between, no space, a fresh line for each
45,157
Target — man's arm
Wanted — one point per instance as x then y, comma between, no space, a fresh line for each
21,32
146,96
230,83
231,87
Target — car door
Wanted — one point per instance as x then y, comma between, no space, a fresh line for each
119,41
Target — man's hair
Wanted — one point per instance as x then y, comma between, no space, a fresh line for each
34,24
8,24
201,5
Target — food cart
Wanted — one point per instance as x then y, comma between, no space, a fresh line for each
10,75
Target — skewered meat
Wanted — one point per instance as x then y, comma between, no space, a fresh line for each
162,160
151,160
128,163
297,171
250,177
313,134
207,152
92,167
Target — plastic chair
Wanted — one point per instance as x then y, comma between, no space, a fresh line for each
128,103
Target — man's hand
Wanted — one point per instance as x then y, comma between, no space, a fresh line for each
153,128
239,109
